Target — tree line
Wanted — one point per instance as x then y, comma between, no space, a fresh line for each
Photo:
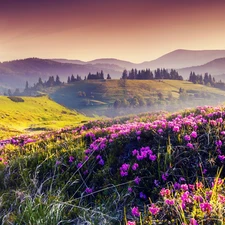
147,74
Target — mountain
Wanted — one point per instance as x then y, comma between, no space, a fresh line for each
215,67
15,73
176,59
183,58
121,63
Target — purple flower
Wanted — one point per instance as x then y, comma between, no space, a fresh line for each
176,186
153,157
170,201
193,221
71,159
135,166
156,182
221,157
190,145
79,165
187,138
142,195
153,209
135,211
193,134
130,189
101,162
164,176
137,180
88,190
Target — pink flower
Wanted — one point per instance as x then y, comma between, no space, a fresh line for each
165,192
187,138
184,187
153,209
170,201
131,223
221,199
135,211
190,145
176,129
193,134
217,182
193,222
199,185
206,207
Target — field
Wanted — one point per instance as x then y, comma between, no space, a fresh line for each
34,114
154,168
98,97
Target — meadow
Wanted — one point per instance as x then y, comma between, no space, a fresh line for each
154,168
97,97
32,114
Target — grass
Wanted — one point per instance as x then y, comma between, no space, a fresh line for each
86,175
101,94
35,114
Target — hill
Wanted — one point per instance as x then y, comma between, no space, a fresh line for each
34,114
15,73
133,96
157,168
215,67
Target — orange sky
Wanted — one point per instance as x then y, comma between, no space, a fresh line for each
134,30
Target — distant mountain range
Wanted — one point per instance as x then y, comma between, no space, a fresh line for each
215,67
15,73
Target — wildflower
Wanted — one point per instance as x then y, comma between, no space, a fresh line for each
176,129
193,134
198,198
199,185
160,131
71,159
187,138
190,145
135,211
165,192
156,182
135,166
221,157
193,221
206,207
191,187
170,201
131,223
176,186
221,199
164,176
219,143
142,195
130,189
217,182
152,157
88,190
137,180
79,165
154,209
184,187
101,162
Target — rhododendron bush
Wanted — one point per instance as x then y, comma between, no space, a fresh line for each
159,167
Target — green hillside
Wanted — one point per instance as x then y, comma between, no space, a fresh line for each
98,96
34,114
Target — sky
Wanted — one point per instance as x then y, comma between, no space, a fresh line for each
133,30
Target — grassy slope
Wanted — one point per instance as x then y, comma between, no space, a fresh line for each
38,113
109,90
